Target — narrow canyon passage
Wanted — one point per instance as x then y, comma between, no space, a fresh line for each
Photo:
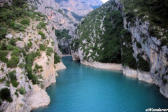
83,89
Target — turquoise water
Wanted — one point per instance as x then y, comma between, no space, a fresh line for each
84,89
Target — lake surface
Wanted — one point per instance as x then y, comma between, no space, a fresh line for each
83,89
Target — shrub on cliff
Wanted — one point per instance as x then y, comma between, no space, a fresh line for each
62,33
12,63
34,78
49,51
3,32
3,54
22,90
42,47
41,25
17,26
12,42
37,68
56,58
42,35
13,79
5,95
28,66
75,44
29,45
127,50
19,3
143,64
25,21
127,58
138,45
5,14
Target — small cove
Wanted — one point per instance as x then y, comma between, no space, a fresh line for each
84,89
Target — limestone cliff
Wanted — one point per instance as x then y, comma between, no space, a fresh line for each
28,57
149,41
127,32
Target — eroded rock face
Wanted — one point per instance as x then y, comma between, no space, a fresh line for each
130,72
38,98
19,105
60,66
24,94
164,90
150,47
49,71
142,76
75,56
152,50
148,52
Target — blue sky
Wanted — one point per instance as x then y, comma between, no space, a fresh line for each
104,1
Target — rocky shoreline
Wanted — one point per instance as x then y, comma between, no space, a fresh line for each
104,66
60,66
39,97
128,72
140,75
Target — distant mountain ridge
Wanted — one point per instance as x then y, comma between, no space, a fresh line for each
80,7
66,14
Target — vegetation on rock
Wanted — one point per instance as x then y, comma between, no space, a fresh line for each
143,64
13,79
20,45
49,51
29,63
127,50
22,90
62,34
5,95
41,25
42,34
103,38
56,58
100,35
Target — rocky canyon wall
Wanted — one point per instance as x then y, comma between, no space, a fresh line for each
122,32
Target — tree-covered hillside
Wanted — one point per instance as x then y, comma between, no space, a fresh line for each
104,34
100,36
131,32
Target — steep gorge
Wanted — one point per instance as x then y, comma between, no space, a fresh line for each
34,34
65,16
30,48
130,33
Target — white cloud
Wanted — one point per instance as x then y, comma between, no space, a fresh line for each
104,1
